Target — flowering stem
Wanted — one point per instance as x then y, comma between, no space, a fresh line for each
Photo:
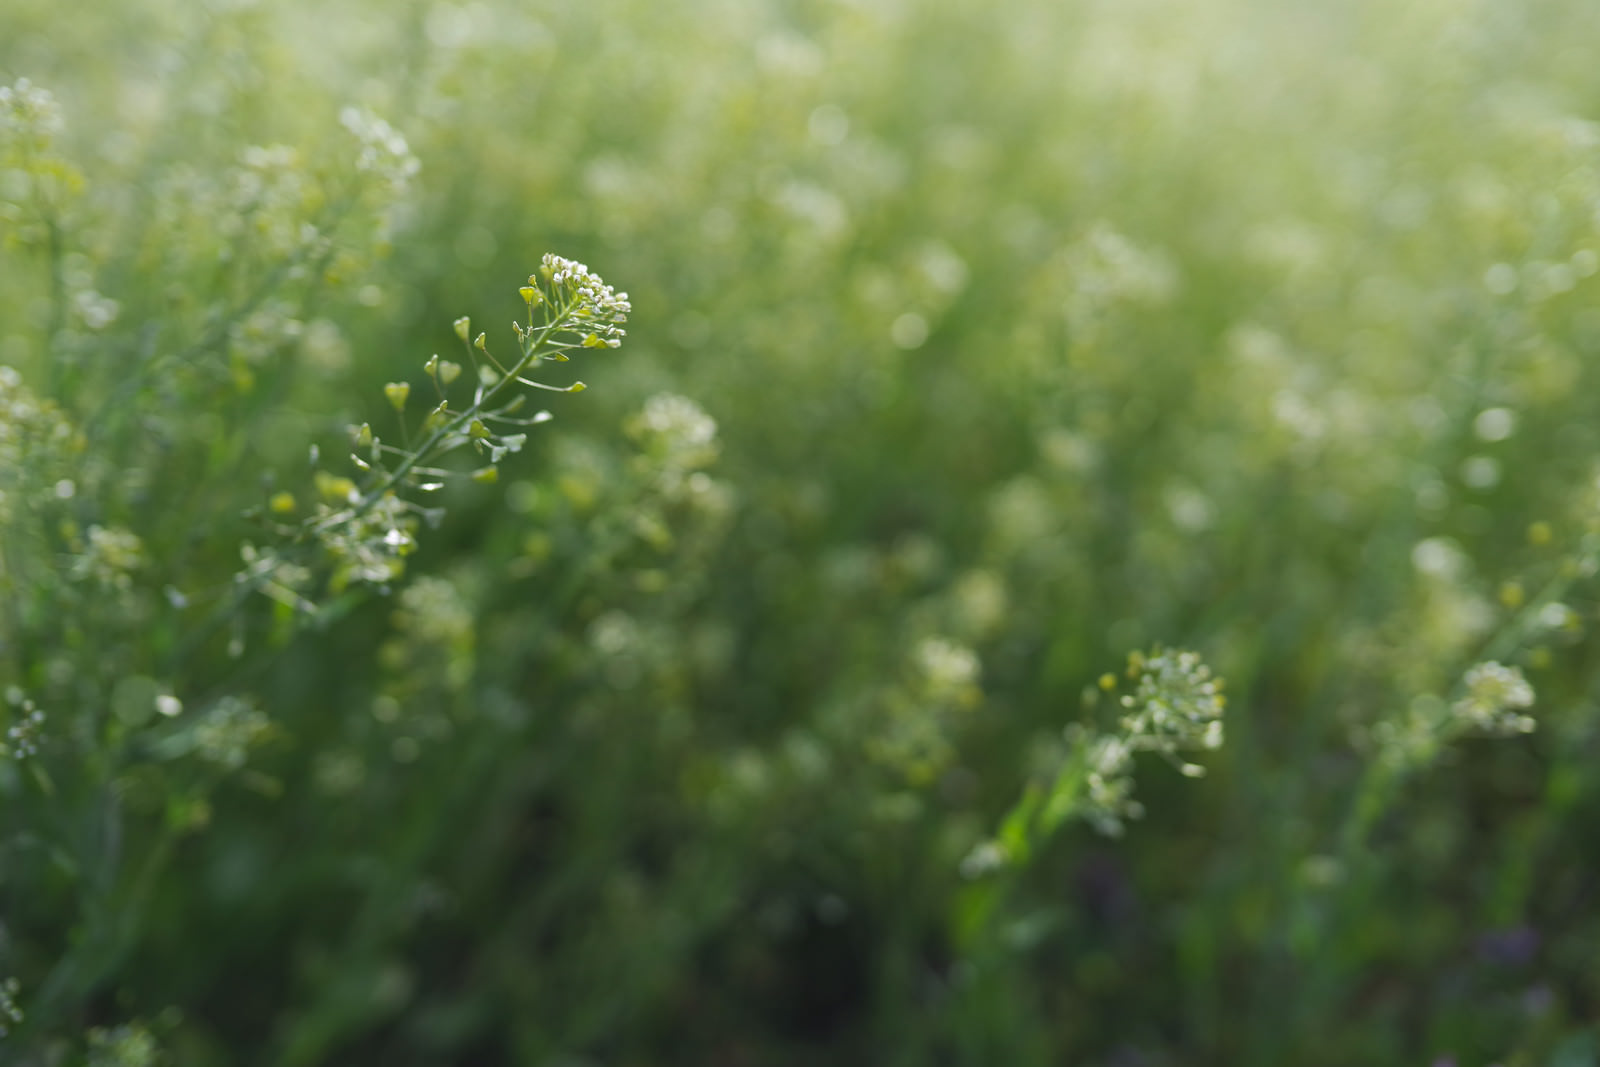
530,352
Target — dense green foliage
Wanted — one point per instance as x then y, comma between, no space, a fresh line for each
767,706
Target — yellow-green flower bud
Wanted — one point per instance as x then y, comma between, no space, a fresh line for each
436,417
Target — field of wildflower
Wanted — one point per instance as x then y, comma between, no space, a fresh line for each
765,533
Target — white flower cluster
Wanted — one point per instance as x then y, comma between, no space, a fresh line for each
586,299
95,310
267,205
10,1014
679,421
678,439
912,728
384,151
109,556
22,737
986,856
948,669
1495,699
1108,784
36,444
128,1045
1105,269
28,113
228,731
266,173
433,611
1177,705
265,332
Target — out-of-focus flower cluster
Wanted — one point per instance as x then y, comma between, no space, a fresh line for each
10,1014
677,440
1105,269
385,163
34,180
222,734
38,448
271,201
1108,800
911,728
41,475
126,1045
28,113
1495,700
25,727
108,556
265,332
383,151
435,632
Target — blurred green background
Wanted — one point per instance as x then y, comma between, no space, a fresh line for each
974,345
